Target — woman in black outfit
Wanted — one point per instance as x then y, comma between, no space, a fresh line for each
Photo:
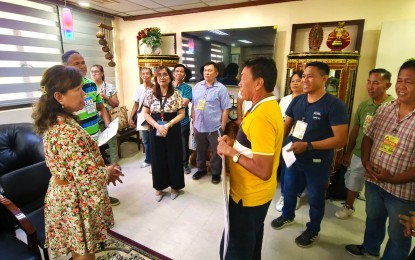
163,110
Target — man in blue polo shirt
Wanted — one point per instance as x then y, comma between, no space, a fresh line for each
179,74
319,121
209,113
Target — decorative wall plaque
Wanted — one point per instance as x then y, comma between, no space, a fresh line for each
339,38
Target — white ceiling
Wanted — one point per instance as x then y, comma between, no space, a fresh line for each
137,8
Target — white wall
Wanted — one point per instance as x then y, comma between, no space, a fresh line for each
20,115
375,12
396,45
284,15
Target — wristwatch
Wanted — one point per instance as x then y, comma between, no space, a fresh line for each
235,158
309,146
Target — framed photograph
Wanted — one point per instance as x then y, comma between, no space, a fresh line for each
235,58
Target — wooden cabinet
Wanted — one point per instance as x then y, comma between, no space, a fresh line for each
153,61
343,72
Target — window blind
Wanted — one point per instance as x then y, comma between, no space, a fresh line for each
29,43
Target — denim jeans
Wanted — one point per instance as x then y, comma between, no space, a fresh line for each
315,175
145,138
381,205
300,185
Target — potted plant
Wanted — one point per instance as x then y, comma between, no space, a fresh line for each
151,37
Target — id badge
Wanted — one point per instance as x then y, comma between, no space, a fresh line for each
299,129
368,120
160,123
389,144
201,104
90,105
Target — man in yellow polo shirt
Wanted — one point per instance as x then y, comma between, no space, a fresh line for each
255,157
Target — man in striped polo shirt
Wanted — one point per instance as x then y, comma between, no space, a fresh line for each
93,101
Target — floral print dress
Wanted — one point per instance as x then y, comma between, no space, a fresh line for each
78,214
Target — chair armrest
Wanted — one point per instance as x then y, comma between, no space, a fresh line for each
24,223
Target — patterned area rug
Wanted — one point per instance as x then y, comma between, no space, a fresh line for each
118,247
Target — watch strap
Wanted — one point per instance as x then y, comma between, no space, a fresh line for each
309,146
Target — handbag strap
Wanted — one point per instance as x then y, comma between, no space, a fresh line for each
141,107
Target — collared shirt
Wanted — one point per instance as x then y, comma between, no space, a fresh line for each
173,104
186,92
109,90
261,133
364,116
89,117
139,94
217,100
284,103
386,122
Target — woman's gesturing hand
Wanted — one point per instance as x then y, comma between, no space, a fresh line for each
114,173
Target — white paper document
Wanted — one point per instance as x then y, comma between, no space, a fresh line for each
225,190
289,157
108,133
225,208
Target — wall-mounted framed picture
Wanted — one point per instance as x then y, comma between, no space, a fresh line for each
235,58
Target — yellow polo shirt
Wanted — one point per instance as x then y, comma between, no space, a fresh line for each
261,133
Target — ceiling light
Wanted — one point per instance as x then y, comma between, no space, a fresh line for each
84,4
244,41
218,32
233,44
207,38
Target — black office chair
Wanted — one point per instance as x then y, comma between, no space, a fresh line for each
10,246
24,176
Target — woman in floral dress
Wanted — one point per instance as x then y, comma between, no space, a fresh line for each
163,109
77,207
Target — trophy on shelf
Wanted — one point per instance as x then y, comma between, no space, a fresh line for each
339,38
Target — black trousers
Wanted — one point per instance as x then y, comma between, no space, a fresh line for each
203,142
246,231
185,131
166,156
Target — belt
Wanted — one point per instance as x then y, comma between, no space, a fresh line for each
59,181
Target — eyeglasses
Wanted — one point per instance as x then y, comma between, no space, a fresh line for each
95,71
164,75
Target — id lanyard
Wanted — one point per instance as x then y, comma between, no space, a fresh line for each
162,104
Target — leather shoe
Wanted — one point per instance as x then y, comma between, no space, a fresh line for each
216,179
198,175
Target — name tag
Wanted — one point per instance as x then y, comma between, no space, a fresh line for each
368,120
316,160
299,129
389,144
160,123
90,105
201,104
